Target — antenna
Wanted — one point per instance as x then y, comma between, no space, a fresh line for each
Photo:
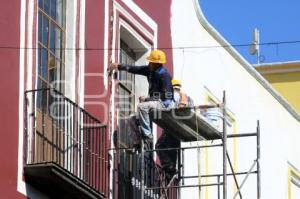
254,47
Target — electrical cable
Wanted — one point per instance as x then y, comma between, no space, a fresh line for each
163,48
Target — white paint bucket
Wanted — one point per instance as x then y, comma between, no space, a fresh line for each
214,117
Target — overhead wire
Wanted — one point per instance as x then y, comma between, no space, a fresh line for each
163,48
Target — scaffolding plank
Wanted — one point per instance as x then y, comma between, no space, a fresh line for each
185,124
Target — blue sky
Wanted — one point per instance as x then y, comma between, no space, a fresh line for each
277,20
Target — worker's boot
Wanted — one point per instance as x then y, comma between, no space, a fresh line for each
170,174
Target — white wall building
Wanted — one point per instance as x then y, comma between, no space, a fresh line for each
212,69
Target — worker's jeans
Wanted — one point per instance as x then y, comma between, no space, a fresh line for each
144,118
168,158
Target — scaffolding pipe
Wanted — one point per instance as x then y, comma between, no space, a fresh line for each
234,176
142,169
219,187
182,148
204,106
198,160
179,167
185,186
246,177
195,147
241,135
258,161
199,171
218,175
166,149
224,147
202,146
182,153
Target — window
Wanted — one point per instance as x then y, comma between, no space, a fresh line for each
51,34
293,183
126,92
126,107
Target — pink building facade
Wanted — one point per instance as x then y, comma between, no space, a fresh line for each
67,46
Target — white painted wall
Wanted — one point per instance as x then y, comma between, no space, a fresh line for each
249,97
70,54
81,53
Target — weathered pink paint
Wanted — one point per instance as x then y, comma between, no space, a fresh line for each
160,12
9,101
94,63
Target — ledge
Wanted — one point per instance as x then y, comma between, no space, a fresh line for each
57,182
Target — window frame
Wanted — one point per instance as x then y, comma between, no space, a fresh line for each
51,68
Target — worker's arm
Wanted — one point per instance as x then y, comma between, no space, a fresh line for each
139,70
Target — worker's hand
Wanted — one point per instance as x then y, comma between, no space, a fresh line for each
142,99
181,105
111,67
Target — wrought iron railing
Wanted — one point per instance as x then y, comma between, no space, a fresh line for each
156,183
58,131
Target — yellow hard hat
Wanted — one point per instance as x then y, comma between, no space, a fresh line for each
176,83
157,56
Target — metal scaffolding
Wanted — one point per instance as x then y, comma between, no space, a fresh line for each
146,187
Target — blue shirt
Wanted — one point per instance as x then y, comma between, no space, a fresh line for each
160,85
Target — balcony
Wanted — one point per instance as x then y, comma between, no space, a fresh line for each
65,148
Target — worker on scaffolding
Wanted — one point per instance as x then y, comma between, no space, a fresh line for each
168,158
160,94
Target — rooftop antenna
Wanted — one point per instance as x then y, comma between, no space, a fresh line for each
254,47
